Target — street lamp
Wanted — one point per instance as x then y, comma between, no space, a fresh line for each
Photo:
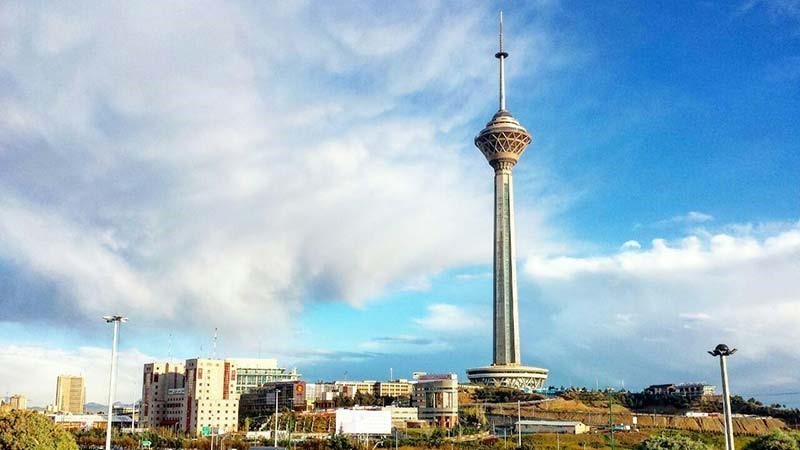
723,352
277,391
112,379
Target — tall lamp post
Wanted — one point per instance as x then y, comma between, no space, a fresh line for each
275,442
723,352
113,378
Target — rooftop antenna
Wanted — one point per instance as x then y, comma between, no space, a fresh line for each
214,354
501,55
391,375
169,348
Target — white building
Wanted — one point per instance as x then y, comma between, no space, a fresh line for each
401,415
550,426
252,373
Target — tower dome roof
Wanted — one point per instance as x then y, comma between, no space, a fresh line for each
503,139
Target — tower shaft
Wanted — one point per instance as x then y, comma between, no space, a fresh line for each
502,142
506,316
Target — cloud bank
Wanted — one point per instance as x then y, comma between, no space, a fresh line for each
212,163
657,310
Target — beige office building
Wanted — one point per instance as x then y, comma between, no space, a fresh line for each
203,393
399,388
211,398
15,402
70,394
350,388
163,386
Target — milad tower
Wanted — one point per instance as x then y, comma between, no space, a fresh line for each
502,143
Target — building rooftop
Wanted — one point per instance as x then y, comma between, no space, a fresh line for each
558,423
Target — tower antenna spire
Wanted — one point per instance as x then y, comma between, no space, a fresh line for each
501,55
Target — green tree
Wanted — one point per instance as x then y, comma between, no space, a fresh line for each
339,442
436,438
30,430
671,442
776,440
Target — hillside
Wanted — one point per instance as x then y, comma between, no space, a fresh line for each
595,413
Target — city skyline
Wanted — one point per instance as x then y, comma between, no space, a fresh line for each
304,179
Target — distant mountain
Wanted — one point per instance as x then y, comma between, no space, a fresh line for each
93,407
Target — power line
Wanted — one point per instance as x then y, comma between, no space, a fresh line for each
768,394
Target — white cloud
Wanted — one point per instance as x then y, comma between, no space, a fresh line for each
215,163
630,245
32,370
671,302
445,318
695,317
403,344
690,218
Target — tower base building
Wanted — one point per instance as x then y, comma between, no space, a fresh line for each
525,378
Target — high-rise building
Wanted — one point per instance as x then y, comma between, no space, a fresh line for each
502,143
211,398
70,394
163,389
202,392
14,402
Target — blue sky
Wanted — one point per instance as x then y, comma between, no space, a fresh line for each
303,178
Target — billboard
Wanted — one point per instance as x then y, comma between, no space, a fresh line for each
364,421
438,376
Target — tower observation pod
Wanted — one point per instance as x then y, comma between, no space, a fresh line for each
502,142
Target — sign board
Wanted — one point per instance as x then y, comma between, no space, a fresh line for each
146,443
205,431
439,376
364,421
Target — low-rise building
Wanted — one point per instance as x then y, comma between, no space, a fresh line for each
351,388
436,397
689,390
398,388
321,395
660,389
252,373
291,395
550,426
401,415
694,390
88,421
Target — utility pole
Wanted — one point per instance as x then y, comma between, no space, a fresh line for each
277,391
723,352
519,424
113,378
611,417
